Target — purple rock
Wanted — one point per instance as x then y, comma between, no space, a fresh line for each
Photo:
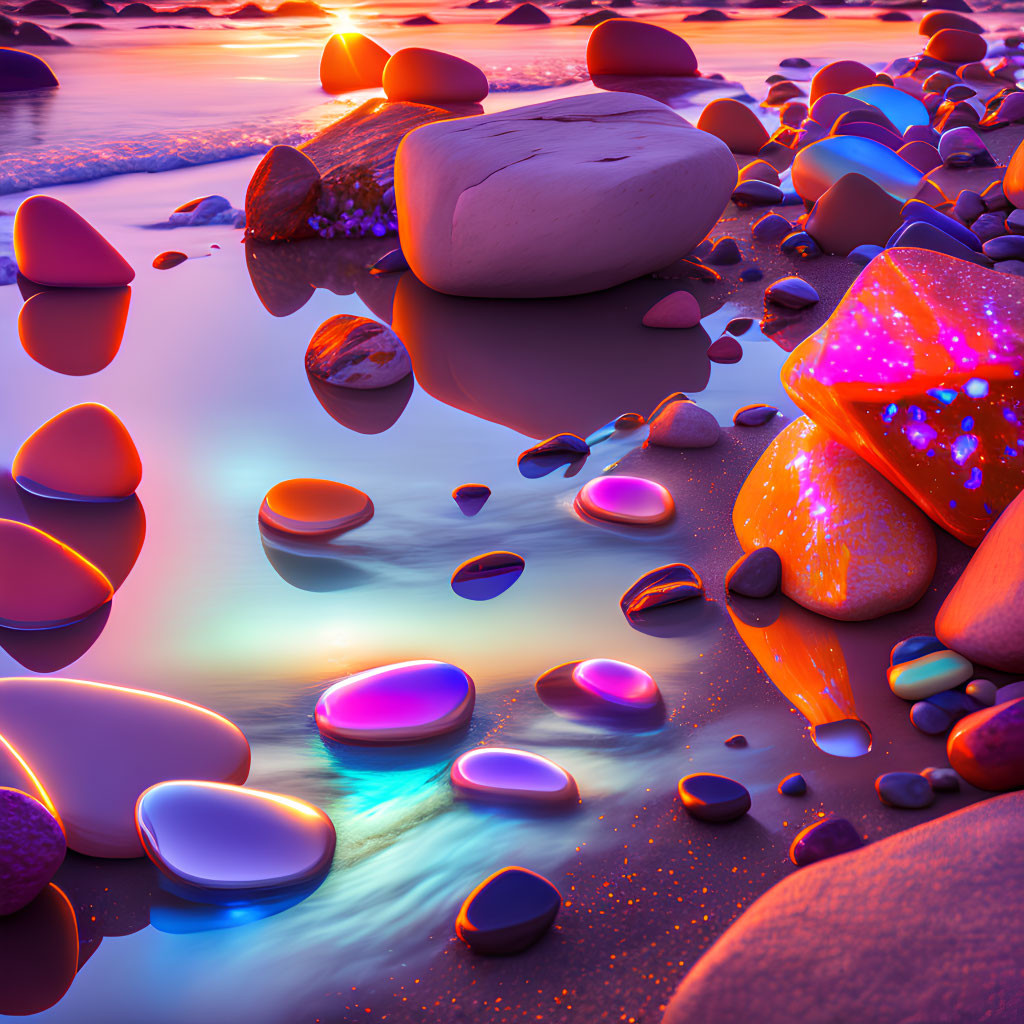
22,72
862,255
771,228
669,584
824,839
929,718
754,415
969,206
915,210
737,741
793,785
1005,247
962,146
471,497
508,911
393,262
725,251
32,847
756,574
989,226
791,292
906,790
942,780
756,193
505,775
987,748
684,424
725,349
920,235
487,576
713,798
1009,692
739,325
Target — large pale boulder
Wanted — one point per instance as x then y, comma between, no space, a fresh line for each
557,198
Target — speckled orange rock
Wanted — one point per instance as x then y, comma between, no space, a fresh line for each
852,547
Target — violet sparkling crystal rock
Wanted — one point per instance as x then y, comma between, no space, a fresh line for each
508,911
625,499
504,775
668,584
487,576
355,352
218,842
32,847
411,700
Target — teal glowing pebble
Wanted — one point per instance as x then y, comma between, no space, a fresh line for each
819,166
900,107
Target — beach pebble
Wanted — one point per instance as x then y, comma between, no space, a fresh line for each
44,583
962,147
928,674
84,453
847,567
684,425
955,46
676,310
54,246
771,228
983,691
1005,247
915,647
791,292
713,798
282,196
404,702
351,61
919,234
32,847
736,742
942,780
802,12
819,166
668,584
793,785
955,703
505,775
930,718
625,47
921,155
508,912
724,252
826,838
735,124
418,75
725,349
936,20
625,499
471,497
987,747
853,212
168,260
759,170
915,210
393,262
754,415
1012,691
487,576
559,159
525,14
739,325
613,693
906,790
841,76
864,254
354,352
314,508
24,72
800,244
755,574
59,725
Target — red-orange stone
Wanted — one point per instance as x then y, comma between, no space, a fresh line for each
840,76
82,454
44,583
315,508
918,370
429,76
955,46
352,61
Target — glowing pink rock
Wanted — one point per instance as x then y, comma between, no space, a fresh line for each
97,747
32,847
602,690
617,683
84,453
625,499
315,508
354,352
851,546
411,700
504,775
44,583
53,245
918,370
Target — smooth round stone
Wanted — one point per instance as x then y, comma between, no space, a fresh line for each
487,576
791,292
930,718
44,583
771,228
1005,247
755,574
678,310
826,838
471,497
725,349
355,352
906,790
625,499
621,47
551,454
915,647
853,212
417,75
942,780
351,61
168,260
226,842
793,785
96,747
841,76
617,683
1012,691
754,415
713,798
23,72
508,912
315,508
669,584
955,703
739,325
902,109
929,674
935,20
987,748
955,46
411,700
725,252
735,124
32,847
736,742
603,692
504,775
983,691
757,193
82,454
819,166
862,255
54,246
684,424
524,14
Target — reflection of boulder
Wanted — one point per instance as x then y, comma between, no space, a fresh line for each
314,566
547,366
50,650
366,412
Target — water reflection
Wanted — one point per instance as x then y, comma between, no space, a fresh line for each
547,366
315,566
178,916
676,91
365,412
50,650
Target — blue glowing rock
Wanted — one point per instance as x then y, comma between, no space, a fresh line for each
555,452
411,700
713,798
504,775
32,847
819,166
915,647
955,703
217,843
864,254
900,107
793,785
755,574
668,584
1005,247
471,497
930,719
823,839
487,576
508,911
928,674
907,790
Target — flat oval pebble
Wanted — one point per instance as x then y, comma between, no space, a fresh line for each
487,576
96,747
625,499
84,453
684,424
505,775
987,747
625,47
754,415
471,497
929,674
713,798
755,574
677,310
168,260
219,842
410,700
44,583
929,718
902,109
823,839
508,911
907,790
315,508
739,325
793,785
725,349
603,691
791,292
942,780
736,742
617,682
355,352
1012,691
32,847
666,585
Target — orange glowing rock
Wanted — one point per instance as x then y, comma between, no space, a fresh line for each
53,245
315,508
918,370
43,583
352,61
82,454
852,547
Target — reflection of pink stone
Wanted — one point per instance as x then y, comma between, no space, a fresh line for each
852,547
625,499
514,776
99,746
53,245
918,370
623,47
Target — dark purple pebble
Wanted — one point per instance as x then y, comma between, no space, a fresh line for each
824,839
